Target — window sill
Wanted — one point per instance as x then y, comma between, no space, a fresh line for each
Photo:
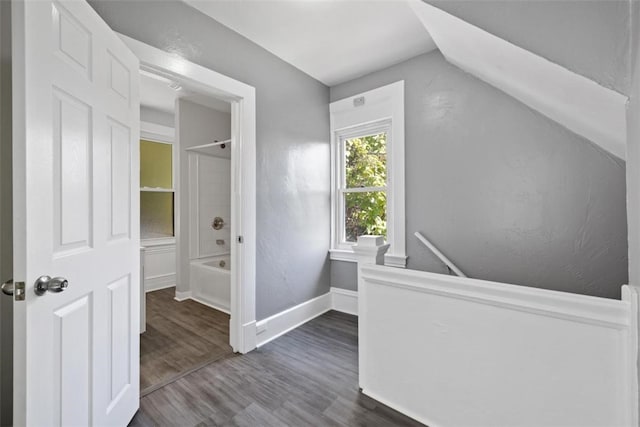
347,255
342,255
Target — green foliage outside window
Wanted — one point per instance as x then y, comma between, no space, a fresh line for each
365,167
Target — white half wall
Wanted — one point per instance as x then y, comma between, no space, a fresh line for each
574,101
159,266
474,353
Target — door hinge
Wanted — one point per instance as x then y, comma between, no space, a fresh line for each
18,291
240,239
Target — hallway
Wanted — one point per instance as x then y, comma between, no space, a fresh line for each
306,377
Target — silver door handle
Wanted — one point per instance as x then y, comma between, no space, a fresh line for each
7,287
46,283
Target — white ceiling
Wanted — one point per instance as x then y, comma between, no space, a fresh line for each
155,93
331,40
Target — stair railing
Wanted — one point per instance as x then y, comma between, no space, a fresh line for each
450,265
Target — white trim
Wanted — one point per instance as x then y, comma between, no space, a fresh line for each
347,255
181,296
162,245
161,241
342,255
157,133
603,312
337,299
203,302
243,176
161,281
163,135
399,408
344,300
249,333
399,261
630,295
382,104
279,324
156,190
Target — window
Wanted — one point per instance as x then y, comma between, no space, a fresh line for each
156,190
363,186
368,171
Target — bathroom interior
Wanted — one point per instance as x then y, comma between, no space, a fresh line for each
185,208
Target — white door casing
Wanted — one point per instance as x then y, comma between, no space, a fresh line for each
243,178
75,166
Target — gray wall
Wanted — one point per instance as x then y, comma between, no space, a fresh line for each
293,187
591,38
344,275
507,194
6,227
633,166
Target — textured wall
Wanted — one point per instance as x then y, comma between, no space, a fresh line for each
591,38
633,165
293,201
507,194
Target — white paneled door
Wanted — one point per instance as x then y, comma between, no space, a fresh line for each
76,115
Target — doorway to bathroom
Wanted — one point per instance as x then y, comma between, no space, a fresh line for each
185,228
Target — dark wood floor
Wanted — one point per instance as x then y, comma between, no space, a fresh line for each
180,337
307,377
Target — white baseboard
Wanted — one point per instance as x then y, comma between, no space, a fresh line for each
344,300
283,322
156,283
249,338
181,296
210,304
399,408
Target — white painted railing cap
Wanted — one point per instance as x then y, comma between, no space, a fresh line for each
370,241
370,249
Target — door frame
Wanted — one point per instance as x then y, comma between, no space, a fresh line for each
242,330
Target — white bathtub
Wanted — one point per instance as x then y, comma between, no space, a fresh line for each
211,282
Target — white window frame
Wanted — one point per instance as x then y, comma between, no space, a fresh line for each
340,188
163,135
365,114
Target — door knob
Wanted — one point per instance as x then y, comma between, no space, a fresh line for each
46,283
7,287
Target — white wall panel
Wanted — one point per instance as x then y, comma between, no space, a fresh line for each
455,352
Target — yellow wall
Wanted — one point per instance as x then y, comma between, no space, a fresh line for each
155,165
156,208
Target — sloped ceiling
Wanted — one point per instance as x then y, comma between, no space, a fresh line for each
575,101
590,38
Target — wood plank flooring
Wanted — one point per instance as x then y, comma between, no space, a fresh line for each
180,337
307,377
